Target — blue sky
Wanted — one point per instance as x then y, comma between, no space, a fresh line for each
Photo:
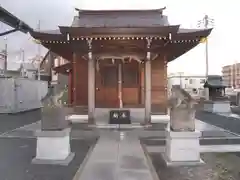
223,42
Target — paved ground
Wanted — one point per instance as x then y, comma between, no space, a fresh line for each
9,122
219,166
18,148
16,155
230,123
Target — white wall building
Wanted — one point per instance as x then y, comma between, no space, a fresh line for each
191,83
2,61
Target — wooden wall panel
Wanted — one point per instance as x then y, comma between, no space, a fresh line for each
70,88
130,96
111,97
106,97
100,91
81,81
159,84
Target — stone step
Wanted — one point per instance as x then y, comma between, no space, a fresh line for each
203,141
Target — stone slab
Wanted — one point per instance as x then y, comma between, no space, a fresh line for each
117,155
203,142
64,162
229,123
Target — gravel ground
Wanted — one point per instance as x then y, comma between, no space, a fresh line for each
223,166
16,156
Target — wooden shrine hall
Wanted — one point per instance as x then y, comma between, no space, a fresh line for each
117,59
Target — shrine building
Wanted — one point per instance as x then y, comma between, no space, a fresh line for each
117,59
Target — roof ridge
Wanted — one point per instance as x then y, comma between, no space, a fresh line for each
89,11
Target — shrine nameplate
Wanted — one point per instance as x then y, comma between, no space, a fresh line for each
119,117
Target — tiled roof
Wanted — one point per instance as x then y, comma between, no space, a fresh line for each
214,81
120,18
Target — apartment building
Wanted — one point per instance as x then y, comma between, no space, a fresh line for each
231,75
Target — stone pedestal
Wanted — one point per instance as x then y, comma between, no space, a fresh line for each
182,118
54,119
182,148
53,147
217,106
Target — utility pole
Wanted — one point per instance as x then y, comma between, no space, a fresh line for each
23,61
206,21
5,55
39,52
180,78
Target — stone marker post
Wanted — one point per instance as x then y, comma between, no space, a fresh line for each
182,147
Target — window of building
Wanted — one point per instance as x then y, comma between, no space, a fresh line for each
190,81
202,81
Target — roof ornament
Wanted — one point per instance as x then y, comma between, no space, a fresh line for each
149,42
68,37
89,42
170,36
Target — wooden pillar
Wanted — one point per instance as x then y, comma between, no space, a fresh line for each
74,80
148,85
147,91
91,84
70,87
120,85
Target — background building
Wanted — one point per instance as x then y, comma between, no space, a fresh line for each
231,75
191,83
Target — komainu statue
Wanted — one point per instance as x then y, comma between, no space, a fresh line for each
182,110
54,113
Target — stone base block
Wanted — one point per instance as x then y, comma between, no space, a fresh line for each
53,147
217,106
64,162
182,148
